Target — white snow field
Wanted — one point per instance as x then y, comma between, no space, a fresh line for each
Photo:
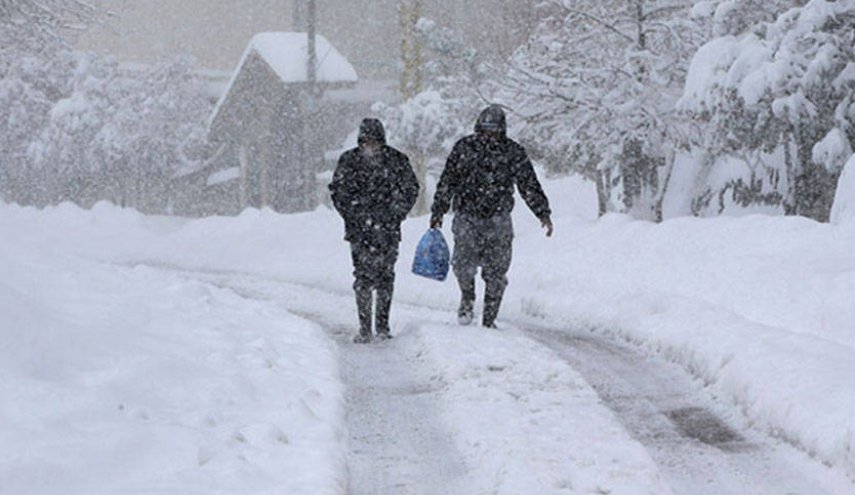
161,355
133,380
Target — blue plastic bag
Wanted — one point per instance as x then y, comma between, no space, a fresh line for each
432,256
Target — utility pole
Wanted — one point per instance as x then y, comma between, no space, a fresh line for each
306,159
312,28
309,107
298,15
412,81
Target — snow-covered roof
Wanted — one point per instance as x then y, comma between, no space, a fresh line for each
287,55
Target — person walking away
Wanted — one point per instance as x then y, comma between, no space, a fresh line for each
478,182
373,189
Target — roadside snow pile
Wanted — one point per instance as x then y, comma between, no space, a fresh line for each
843,211
759,308
525,422
134,380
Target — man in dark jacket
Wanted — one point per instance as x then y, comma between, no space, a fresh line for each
373,189
478,182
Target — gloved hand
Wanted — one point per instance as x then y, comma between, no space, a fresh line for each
436,222
547,224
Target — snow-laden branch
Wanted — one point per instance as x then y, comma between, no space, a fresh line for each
35,22
602,22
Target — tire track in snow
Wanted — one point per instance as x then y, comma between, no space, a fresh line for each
701,452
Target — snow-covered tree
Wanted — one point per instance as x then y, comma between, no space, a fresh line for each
33,25
735,17
598,82
427,125
36,68
782,87
29,87
445,109
79,127
121,135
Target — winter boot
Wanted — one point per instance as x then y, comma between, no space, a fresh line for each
491,309
363,307
466,311
384,306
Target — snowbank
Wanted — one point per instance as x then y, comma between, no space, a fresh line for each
132,380
759,308
843,210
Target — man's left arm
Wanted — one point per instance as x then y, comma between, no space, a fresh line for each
531,190
408,191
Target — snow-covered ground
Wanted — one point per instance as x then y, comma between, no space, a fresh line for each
113,363
526,421
133,380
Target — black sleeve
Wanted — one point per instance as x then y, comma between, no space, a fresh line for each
448,183
341,188
529,187
407,192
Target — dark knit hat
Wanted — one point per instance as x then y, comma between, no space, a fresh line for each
371,130
492,119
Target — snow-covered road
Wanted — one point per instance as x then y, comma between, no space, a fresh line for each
440,410
401,443
398,445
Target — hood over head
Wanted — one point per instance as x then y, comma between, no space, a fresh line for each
492,119
371,130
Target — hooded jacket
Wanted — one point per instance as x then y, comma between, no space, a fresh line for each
373,193
482,170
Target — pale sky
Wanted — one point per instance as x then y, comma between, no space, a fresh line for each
217,31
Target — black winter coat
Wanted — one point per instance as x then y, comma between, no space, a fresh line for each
374,196
480,175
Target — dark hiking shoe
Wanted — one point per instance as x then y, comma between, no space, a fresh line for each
362,339
383,336
466,312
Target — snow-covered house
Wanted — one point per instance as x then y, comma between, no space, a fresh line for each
271,127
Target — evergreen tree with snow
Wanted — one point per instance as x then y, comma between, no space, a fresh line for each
79,127
35,70
122,135
780,87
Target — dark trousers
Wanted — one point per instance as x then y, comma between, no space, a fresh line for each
486,243
373,270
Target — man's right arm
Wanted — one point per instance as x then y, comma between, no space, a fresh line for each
342,199
448,182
